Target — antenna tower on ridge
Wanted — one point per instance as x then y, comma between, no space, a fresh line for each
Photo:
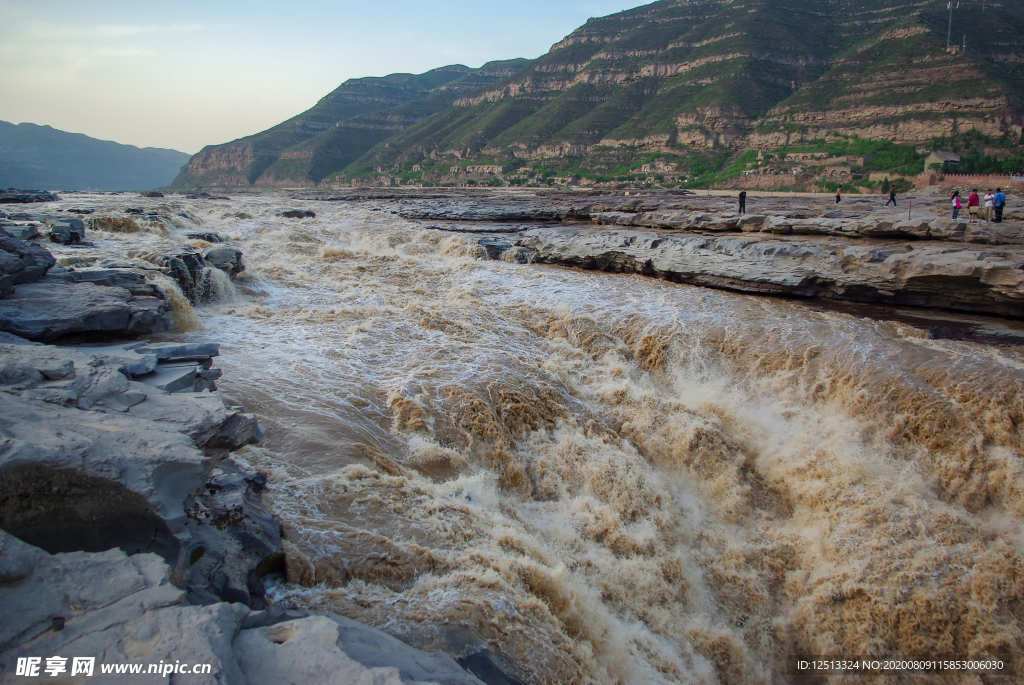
949,31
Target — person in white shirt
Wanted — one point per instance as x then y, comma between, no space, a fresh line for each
989,200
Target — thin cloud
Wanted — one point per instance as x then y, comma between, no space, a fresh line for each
120,30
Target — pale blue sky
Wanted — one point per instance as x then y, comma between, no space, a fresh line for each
184,74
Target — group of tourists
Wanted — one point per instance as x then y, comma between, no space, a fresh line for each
991,211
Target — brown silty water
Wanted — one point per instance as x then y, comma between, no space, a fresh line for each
613,479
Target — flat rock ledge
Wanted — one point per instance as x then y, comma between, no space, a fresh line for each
42,301
975,278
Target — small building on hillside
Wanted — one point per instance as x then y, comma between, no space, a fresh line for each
486,169
943,157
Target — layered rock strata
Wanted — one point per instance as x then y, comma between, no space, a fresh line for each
989,280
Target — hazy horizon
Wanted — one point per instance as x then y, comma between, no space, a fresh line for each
141,75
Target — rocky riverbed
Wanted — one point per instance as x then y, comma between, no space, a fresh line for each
523,472
122,513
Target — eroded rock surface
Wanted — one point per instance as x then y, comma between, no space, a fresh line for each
921,274
125,610
91,458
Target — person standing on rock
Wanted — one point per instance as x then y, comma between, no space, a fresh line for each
955,200
892,198
989,198
839,194
743,201
973,206
998,203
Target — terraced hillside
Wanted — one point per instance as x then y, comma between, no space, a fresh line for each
677,76
694,82
338,129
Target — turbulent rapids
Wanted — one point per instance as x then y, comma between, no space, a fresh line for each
613,479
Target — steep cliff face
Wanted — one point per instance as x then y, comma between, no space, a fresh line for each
338,129
702,74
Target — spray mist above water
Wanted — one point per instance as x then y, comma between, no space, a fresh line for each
609,478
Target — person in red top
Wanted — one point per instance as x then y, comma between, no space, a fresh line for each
973,207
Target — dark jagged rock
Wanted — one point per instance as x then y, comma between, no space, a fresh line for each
13,196
227,259
81,211
185,267
66,231
495,247
152,193
298,214
192,270
235,540
108,601
21,262
208,237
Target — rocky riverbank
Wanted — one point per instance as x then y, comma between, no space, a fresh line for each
127,531
858,251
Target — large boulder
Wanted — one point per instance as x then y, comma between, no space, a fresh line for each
946,229
66,231
22,231
21,262
752,223
227,259
192,269
185,266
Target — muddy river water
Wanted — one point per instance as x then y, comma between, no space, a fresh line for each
612,479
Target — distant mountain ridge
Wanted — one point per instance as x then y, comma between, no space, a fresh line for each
33,156
698,77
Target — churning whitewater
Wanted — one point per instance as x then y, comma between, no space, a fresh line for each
613,479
